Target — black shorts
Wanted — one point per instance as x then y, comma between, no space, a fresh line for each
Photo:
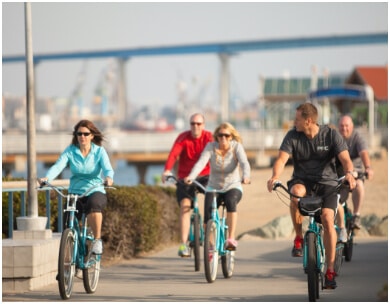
230,199
328,193
91,203
188,191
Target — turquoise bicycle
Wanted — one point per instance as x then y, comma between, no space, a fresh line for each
75,246
349,225
196,233
313,245
216,233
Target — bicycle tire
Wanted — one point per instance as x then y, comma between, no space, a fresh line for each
227,262
66,265
92,272
196,244
312,273
339,257
211,251
348,247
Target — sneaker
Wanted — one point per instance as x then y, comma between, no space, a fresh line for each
97,247
330,282
231,244
356,222
184,251
297,249
343,236
79,273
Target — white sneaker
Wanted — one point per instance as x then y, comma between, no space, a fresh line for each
343,236
97,247
79,273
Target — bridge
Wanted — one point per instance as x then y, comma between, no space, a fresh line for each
224,50
140,149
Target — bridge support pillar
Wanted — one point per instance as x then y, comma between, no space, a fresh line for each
141,168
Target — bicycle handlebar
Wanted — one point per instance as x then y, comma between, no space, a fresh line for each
47,184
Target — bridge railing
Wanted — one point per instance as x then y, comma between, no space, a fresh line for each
21,186
120,141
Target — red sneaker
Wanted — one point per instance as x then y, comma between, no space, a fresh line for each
297,250
330,282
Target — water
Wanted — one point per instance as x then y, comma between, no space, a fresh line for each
125,175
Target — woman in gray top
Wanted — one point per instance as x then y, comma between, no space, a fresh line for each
227,157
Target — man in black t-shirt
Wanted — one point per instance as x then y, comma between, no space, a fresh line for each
314,149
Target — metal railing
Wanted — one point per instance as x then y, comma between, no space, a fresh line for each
21,186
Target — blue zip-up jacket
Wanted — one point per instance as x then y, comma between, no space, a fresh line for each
86,171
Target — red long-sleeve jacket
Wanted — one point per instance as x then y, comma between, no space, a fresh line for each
187,150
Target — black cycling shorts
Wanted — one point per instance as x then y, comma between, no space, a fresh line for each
188,191
230,199
92,203
328,193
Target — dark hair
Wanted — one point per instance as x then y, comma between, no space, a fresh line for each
97,135
308,110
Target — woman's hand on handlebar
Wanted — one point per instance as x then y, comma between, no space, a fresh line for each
187,180
246,181
108,181
42,181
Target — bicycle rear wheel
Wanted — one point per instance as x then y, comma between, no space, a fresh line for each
339,257
196,242
91,274
312,273
348,247
227,262
211,251
66,265
92,270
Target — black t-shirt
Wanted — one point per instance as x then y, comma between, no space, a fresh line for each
314,159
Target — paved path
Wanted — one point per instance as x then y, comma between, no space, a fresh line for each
265,272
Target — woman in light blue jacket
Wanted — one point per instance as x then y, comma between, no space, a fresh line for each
227,156
88,161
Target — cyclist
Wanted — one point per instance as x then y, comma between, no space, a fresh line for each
186,150
87,160
226,156
358,152
313,149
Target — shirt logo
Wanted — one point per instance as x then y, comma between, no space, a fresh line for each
322,148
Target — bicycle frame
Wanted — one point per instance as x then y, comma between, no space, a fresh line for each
220,222
196,212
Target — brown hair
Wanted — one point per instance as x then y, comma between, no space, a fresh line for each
308,110
98,137
226,125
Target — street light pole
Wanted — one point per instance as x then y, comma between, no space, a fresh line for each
32,221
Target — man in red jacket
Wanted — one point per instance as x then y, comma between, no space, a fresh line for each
187,149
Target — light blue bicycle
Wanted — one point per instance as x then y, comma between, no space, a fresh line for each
214,240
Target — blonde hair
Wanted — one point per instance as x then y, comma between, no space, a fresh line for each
228,126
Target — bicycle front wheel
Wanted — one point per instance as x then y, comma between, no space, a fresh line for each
196,243
66,264
312,273
211,251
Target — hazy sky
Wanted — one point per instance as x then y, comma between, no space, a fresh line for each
72,26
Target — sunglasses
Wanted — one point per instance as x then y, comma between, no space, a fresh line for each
196,123
83,133
220,135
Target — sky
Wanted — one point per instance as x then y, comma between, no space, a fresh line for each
154,81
